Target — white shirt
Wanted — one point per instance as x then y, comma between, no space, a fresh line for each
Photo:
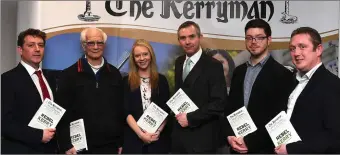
299,88
35,79
97,67
194,58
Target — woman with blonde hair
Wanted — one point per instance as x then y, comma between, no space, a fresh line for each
142,86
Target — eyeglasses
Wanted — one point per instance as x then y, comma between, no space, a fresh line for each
93,43
257,39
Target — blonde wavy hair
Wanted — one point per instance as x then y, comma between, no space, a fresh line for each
134,79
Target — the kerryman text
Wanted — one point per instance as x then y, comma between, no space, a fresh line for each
223,10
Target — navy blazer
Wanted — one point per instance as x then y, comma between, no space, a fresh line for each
269,96
133,106
20,100
316,115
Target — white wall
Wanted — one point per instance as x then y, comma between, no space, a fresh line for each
9,56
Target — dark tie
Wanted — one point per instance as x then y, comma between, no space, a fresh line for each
43,86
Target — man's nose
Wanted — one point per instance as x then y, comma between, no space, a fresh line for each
187,41
95,45
297,52
37,48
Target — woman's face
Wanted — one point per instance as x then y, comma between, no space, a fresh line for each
224,62
142,57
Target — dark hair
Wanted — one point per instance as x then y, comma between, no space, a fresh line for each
259,23
225,54
187,24
30,32
315,37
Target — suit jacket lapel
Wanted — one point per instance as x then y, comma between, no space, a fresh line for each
312,84
136,93
195,71
243,69
262,78
154,94
179,72
28,83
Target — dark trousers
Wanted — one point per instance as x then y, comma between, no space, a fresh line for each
104,149
145,149
178,148
225,149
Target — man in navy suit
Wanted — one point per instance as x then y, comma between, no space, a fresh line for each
24,89
313,106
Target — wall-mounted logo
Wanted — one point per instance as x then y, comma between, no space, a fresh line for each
223,10
287,18
88,16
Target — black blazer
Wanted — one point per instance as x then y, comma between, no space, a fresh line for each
316,115
206,87
269,96
20,100
133,106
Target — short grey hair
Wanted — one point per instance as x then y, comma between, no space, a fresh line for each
84,33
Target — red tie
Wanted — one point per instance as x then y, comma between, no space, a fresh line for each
43,86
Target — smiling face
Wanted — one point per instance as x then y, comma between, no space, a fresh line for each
32,51
257,42
142,57
94,44
189,40
304,55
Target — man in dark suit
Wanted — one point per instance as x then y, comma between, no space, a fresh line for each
24,89
313,106
262,85
201,78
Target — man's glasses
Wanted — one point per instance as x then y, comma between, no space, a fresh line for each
257,39
93,43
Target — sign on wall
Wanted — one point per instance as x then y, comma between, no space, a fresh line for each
222,24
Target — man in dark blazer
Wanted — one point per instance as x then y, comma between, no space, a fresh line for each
262,85
313,106
201,78
23,92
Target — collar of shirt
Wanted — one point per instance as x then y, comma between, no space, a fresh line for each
97,66
262,62
29,68
194,58
309,74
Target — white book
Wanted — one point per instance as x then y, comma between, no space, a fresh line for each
241,122
281,130
78,135
47,116
152,118
181,103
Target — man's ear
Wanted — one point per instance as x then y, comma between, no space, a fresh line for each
19,50
319,50
83,46
269,40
